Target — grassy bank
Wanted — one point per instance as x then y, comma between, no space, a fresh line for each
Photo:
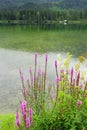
36,39
7,122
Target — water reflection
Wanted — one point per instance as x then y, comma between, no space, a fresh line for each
64,27
55,27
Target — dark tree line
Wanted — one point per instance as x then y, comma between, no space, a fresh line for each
42,16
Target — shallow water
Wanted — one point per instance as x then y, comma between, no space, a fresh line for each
10,84
48,38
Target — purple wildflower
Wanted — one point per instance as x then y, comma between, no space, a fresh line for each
31,79
30,70
31,76
56,64
57,79
27,122
31,113
73,82
79,103
23,107
78,78
62,71
72,72
17,119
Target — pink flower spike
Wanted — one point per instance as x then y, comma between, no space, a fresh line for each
39,71
56,64
21,75
78,78
24,91
27,122
30,70
23,107
31,114
62,70
31,79
79,74
46,57
17,119
57,80
79,103
73,82
31,76
72,72
20,71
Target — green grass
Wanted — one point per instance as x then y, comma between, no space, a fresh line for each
7,122
26,39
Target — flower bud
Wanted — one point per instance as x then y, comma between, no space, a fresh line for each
79,103
17,119
57,80
27,122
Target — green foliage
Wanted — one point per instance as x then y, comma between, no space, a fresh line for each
7,122
64,117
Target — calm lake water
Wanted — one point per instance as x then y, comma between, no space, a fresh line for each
46,38
51,39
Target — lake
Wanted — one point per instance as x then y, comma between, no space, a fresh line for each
47,38
31,39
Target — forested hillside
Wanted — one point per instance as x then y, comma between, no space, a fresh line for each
73,4
42,11
9,4
43,4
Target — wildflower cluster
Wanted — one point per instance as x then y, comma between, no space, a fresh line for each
26,115
56,106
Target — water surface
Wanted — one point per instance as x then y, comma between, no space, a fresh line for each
46,38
